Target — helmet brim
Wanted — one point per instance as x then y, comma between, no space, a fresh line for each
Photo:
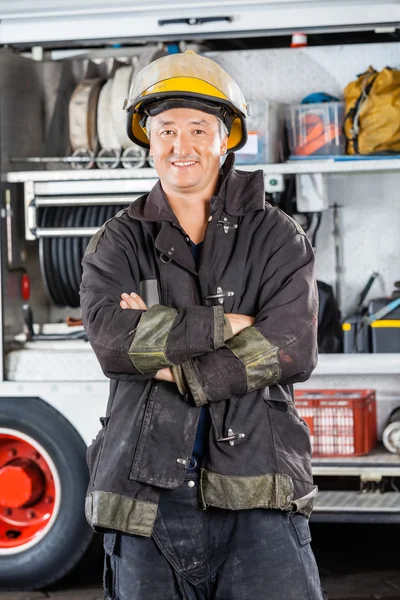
238,129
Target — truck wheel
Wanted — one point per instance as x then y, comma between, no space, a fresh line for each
43,481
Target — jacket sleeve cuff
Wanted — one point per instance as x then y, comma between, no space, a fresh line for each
148,349
219,327
260,358
194,384
179,379
165,337
228,331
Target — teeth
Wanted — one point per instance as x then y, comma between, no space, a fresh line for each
184,164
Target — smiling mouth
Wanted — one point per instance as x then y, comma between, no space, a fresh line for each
184,164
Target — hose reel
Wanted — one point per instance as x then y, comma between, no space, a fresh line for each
60,256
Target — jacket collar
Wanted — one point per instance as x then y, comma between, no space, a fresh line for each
239,192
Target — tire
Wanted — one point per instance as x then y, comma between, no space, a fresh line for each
58,546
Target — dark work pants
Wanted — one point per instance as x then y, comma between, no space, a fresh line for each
213,555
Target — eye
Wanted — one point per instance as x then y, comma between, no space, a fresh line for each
197,131
166,132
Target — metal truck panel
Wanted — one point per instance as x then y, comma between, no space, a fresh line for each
175,20
53,361
80,402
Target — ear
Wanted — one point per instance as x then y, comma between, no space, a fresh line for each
223,146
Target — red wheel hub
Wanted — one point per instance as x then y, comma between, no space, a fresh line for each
21,484
27,492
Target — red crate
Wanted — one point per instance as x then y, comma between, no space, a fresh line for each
341,422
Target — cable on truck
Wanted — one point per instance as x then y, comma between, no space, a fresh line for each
60,257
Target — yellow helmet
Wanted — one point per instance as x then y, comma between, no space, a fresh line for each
191,80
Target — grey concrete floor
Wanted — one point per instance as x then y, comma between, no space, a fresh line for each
361,586
380,585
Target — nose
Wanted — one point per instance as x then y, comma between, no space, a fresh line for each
182,145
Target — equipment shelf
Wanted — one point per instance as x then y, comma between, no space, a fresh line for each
287,168
358,364
357,507
379,460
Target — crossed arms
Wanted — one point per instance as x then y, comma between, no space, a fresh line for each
217,359
236,323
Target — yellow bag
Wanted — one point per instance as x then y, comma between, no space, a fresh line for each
372,122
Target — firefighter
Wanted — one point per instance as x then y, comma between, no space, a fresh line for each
200,303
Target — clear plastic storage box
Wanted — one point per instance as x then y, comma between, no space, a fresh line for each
316,129
265,126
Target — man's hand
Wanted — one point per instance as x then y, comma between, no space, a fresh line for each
132,301
239,322
165,375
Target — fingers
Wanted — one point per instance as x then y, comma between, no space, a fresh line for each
239,322
132,301
165,375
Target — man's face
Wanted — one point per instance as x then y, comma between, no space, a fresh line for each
186,147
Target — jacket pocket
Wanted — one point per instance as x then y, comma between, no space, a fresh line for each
292,446
166,438
141,440
287,407
94,450
121,437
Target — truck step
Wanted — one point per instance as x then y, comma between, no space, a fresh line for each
350,502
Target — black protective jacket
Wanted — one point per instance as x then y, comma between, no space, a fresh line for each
256,261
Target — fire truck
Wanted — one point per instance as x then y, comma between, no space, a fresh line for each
67,166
